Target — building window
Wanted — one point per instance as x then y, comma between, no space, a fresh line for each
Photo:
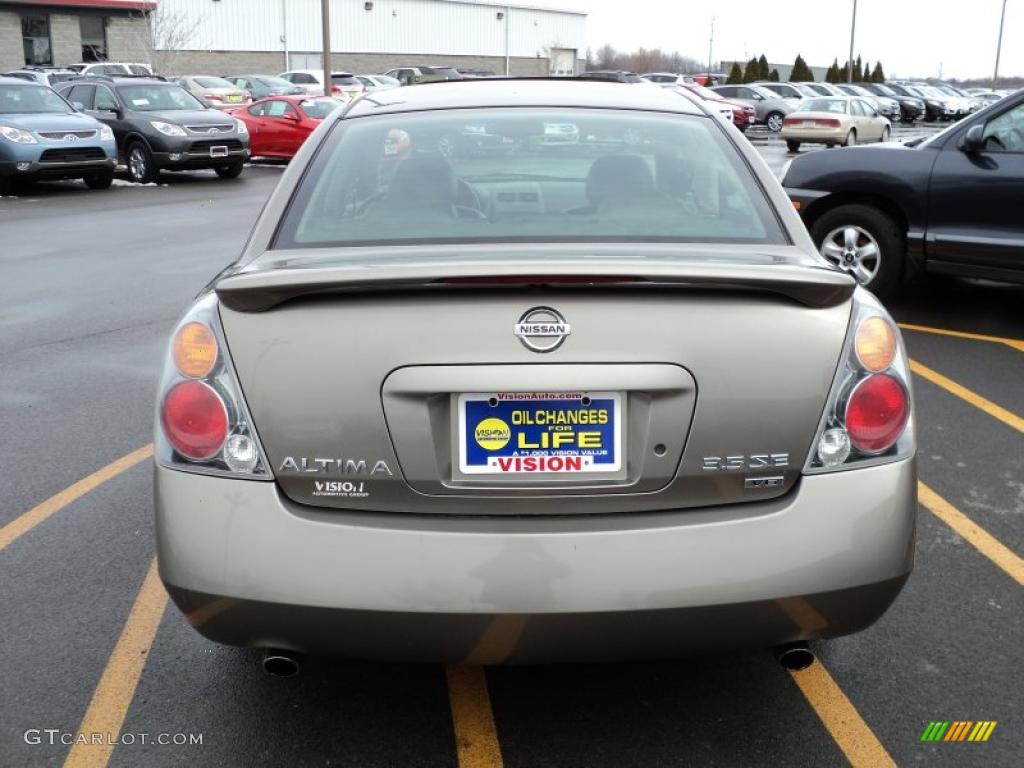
94,37
35,36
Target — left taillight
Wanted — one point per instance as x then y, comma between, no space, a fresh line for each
868,418
203,424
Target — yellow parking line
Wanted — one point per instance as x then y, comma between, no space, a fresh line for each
852,735
116,689
993,410
1017,344
29,520
476,737
977,536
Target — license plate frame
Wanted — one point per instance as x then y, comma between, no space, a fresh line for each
482,455
220,150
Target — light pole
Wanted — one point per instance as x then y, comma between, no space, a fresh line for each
325,20
711,48
999,46
853,28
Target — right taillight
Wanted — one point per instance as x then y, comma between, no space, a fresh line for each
868,416
876,413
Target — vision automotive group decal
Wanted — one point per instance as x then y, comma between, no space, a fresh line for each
340,489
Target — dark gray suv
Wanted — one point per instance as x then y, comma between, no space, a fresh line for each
161,126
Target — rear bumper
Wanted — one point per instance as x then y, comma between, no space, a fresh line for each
815,136
249,567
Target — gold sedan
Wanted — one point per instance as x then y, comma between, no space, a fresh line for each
834,120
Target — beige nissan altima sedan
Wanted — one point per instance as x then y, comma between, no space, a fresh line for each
833,120
531,402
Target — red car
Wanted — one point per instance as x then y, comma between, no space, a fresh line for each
278,125
743,115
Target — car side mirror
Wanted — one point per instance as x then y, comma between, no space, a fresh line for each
974,139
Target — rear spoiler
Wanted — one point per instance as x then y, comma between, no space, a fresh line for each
260,290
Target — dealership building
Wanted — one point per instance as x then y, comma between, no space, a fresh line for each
55,33
271,36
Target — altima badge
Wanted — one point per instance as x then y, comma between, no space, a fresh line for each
542,329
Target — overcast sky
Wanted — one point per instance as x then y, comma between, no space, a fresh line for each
911,37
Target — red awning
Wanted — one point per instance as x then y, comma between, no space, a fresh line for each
122,5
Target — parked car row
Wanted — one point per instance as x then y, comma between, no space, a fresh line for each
895,101
91,123
85,120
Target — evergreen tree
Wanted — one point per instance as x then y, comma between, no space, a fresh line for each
833,72
878,74
844,73
858,67
750,72
762,68
735,74
801,72
774,76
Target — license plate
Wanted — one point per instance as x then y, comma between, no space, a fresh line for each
540,433
218,151
234,98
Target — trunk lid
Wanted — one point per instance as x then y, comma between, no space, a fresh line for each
357,376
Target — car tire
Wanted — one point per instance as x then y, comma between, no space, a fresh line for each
101,180
139,160
885,135
871,226
851,139
792,146
232,171
774,121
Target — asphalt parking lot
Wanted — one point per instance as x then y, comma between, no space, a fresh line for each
91,285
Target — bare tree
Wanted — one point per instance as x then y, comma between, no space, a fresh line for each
605,58
645,60
168,35
172,33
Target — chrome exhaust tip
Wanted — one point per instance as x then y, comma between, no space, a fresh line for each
794,656
281,663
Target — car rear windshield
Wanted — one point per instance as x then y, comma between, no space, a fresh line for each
212,82
823,105
30,99
471,176
344,80
150,98
318,109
